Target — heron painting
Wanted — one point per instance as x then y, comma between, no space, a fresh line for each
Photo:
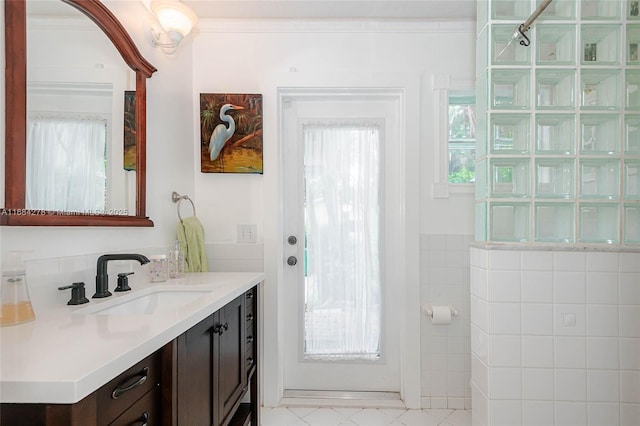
230,133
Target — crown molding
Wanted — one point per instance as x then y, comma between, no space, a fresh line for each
334,26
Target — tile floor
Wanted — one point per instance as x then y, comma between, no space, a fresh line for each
338,416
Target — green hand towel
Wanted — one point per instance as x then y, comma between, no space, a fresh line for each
191,237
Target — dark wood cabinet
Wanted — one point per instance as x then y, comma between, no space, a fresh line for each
195,375
129,398
206,376
229,367
122,394
214,365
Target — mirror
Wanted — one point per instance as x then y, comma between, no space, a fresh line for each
93,105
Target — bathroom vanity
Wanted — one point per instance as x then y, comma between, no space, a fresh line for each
114,361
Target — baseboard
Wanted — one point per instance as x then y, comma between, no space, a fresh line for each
303,398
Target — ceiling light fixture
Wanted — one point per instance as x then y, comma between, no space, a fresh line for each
176,21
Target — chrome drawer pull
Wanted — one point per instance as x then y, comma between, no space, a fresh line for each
144,418
122,389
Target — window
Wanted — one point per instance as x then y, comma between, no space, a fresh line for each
462,137
66,158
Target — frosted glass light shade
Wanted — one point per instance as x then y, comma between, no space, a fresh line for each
176,18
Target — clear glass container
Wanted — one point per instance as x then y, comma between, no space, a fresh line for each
632,86
555,178
510,89
599,223
633,43
632,223
503,50
15,302
600,178
632,134
599,89
600,9
555,133
510,177
555,44
176,261
600,44
510,133
554,222
632,179
555,89
600,134
510,222
158,268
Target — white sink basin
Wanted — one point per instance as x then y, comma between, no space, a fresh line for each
145,303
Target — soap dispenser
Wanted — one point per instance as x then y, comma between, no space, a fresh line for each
15,302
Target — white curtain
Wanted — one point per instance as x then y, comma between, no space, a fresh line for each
342,227
66,167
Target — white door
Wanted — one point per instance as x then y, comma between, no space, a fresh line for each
339,243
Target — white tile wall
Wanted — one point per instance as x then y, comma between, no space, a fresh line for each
446,349
568,351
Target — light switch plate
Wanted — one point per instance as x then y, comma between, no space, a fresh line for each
247,233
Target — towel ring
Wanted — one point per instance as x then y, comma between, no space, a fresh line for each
177,198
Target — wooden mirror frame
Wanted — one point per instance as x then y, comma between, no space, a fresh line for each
15,212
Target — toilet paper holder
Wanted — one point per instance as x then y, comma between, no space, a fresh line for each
429,311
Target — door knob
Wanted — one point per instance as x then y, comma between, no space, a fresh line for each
292,260
292,240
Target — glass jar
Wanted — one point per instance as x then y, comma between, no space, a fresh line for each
158,268
176,261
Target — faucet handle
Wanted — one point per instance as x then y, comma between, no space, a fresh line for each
123,281
78,296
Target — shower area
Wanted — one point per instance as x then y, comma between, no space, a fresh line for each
555,269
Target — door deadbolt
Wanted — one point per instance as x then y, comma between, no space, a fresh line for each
292,261
292,240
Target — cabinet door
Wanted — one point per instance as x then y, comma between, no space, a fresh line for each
230,374
195,375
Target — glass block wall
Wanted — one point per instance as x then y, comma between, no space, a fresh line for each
558,155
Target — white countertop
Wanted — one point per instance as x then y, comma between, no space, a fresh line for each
61,357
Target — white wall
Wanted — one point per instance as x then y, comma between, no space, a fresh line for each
169,159
247,56
262,56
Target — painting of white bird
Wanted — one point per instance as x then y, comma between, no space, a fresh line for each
230,133
221,134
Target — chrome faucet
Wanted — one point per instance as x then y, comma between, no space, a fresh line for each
102,279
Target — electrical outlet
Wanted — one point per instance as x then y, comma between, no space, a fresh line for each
247,233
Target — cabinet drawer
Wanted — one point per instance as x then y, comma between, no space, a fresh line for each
127,388
144,412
